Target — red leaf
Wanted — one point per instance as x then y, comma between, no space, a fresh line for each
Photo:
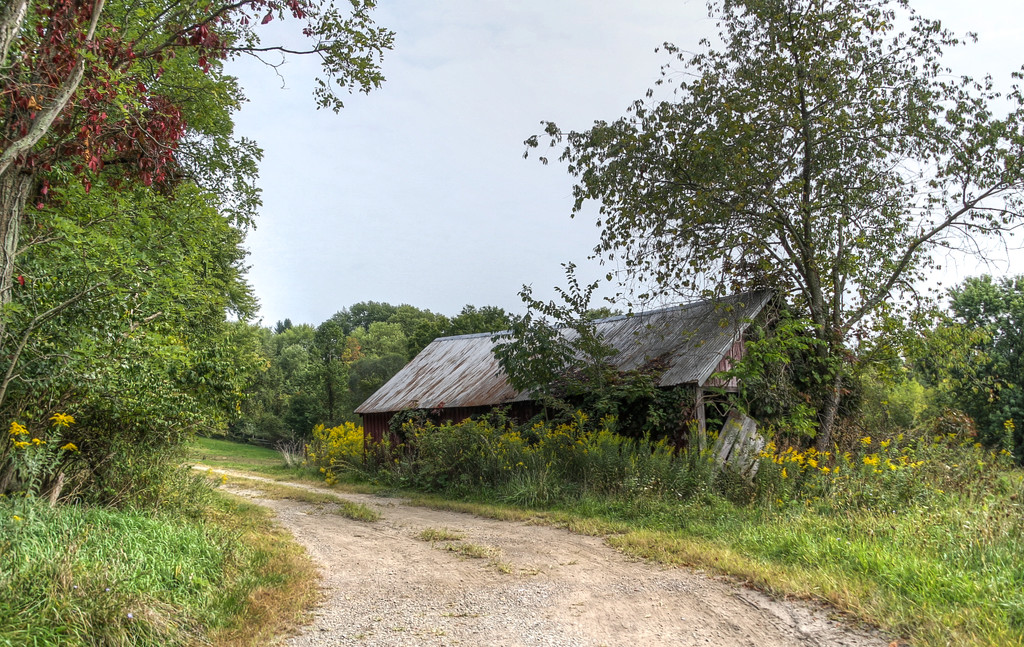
21,279
267,18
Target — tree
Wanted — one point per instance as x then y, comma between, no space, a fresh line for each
820,151
120,321
472,320
976,358
88,86
123,203
555,346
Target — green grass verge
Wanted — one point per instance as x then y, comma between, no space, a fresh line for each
90,576
227,454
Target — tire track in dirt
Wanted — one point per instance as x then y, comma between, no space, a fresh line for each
543,586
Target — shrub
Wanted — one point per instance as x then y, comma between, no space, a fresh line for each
336,448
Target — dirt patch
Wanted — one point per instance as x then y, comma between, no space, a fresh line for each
488,582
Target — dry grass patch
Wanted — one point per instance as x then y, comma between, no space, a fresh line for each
339,505
486,510
475,551
439,534
281,589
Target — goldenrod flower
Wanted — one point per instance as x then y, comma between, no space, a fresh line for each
17,429
70,447
62,420
885,443
866,440
20,444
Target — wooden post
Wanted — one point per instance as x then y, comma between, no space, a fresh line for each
702,421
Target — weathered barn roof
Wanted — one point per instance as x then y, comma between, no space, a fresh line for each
462,372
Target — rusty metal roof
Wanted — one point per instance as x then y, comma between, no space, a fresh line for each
462,372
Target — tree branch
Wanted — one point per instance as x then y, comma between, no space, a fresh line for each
10,24
45,119
908,256
35,323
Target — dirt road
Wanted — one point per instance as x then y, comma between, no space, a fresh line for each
513,584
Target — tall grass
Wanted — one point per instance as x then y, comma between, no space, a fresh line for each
99,576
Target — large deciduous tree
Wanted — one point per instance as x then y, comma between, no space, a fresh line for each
821,148
123,202
88,85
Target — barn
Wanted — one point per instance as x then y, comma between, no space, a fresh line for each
458,377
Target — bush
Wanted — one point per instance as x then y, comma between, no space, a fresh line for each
336,448
541,463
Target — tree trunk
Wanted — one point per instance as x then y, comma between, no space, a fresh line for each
14,193
829,414
55,490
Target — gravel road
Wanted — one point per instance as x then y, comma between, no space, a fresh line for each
534,586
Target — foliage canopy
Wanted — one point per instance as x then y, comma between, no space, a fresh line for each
820,148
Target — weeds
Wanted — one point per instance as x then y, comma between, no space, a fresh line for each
439,534
475,551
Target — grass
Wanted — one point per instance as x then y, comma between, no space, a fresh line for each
475,551
92,576
439,534
339,505
226,454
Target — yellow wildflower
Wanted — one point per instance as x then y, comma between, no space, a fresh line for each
783,472
38,441
17,429
70,447
885,443
16,518
62,420
866,440
871,459
20,444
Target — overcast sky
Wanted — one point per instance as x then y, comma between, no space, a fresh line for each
418,193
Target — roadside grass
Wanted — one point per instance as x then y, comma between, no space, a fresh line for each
229,455
339,505
98,576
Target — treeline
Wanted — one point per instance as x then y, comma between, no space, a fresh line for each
320,374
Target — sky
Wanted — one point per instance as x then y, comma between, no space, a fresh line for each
419,193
